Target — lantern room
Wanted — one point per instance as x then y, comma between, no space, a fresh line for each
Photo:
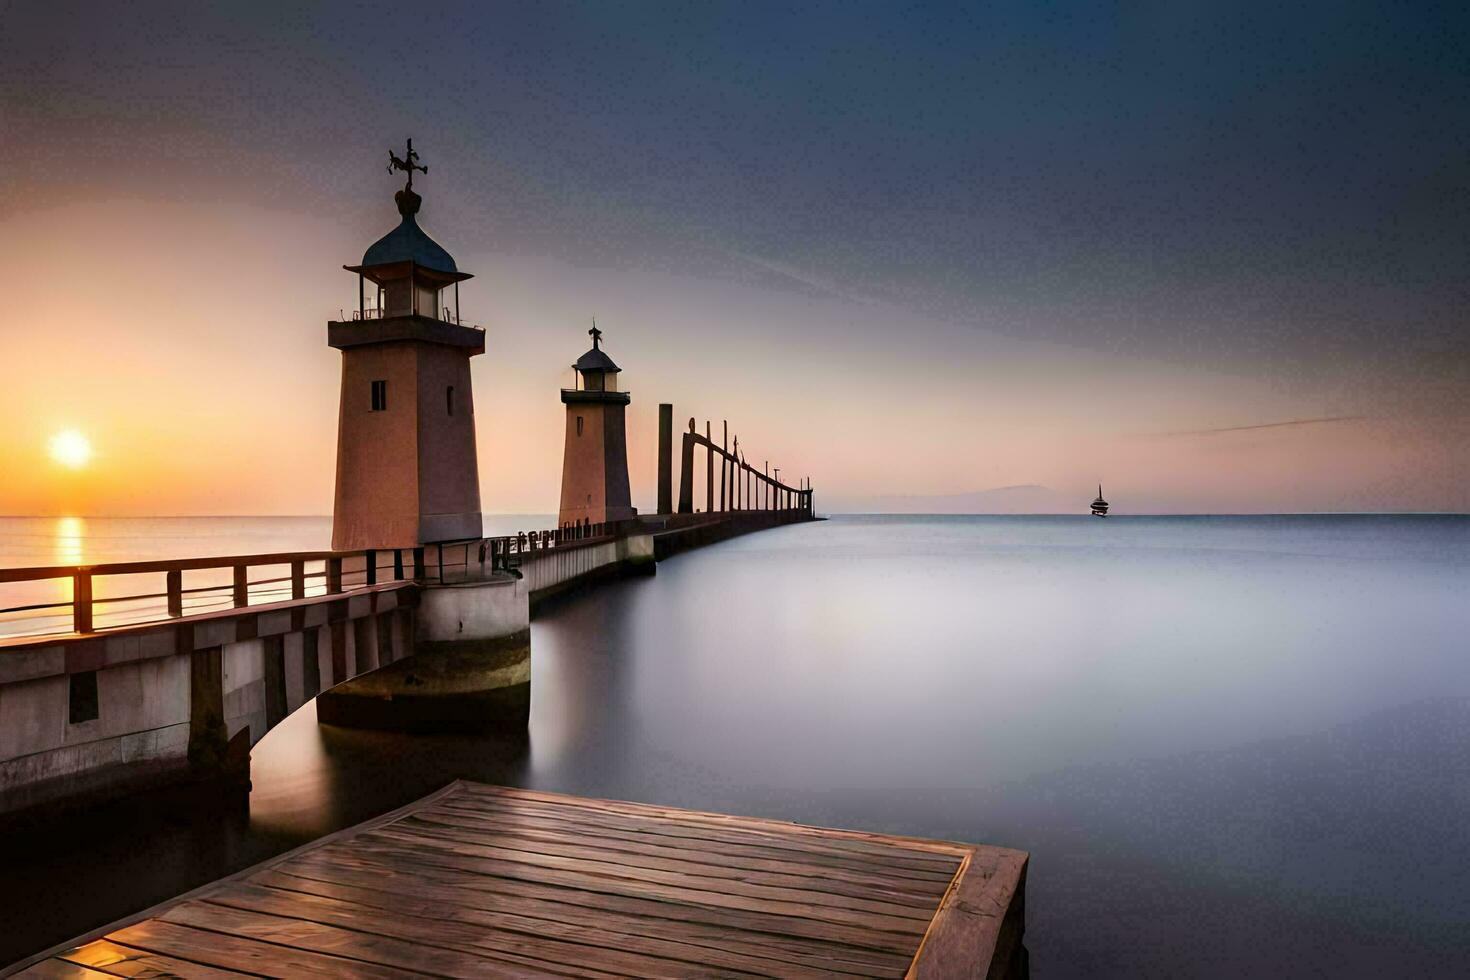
407,273
595,370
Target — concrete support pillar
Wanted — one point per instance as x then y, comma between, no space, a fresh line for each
213,755
471,669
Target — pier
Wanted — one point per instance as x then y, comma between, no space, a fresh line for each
169,671
482,881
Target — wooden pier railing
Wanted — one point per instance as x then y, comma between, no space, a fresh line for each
61,599
742,487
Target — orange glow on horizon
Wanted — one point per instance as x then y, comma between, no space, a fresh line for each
202,407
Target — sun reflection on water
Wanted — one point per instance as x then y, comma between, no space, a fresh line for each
69,535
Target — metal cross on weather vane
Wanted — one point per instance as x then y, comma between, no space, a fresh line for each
408,164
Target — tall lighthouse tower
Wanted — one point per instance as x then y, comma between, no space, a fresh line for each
406,469
594,471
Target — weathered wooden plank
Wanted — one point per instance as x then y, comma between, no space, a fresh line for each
779,874
386,951
930,887
760,835
501,931
127,961
904,851
422,895
597,895
940,868
228,951
904,931
978,929
797,901
55,969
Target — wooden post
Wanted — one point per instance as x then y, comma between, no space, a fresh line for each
174,586
242,587
370,560
298,579
666,459
709,470
81,601
398,552
334,575
418,563
686,472
724,461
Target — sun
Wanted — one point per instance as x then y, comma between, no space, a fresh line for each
71,449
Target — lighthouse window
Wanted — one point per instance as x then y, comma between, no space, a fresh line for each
579,425
380,396
449,399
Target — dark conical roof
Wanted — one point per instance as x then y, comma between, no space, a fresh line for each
408,242
596,359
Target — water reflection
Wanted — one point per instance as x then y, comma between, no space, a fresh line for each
68,535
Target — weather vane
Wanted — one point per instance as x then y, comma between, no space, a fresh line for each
408,164
596,334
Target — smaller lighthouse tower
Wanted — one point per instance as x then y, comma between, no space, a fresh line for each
594,472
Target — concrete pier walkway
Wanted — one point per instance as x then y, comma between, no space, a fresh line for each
485,881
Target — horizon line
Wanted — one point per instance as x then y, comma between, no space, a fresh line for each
843,513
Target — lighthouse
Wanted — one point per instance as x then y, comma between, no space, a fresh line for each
594,473
406,469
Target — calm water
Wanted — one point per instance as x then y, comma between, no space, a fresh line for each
1232,745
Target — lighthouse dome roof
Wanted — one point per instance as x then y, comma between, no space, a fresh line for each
596,359
408,242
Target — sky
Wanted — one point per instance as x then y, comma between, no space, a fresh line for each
1211,256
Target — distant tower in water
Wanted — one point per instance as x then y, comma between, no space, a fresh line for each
594,470
1099,506
406,469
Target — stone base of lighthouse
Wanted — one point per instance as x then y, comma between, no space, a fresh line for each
470,672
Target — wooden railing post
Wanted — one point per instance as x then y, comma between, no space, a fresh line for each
174,586
709,470
686,471
81,601
398,564
418,563
665,458
370,557
334,575
242,586
298,579
724,462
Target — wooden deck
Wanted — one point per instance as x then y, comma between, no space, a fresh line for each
484,881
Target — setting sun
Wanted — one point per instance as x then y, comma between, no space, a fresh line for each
71,448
